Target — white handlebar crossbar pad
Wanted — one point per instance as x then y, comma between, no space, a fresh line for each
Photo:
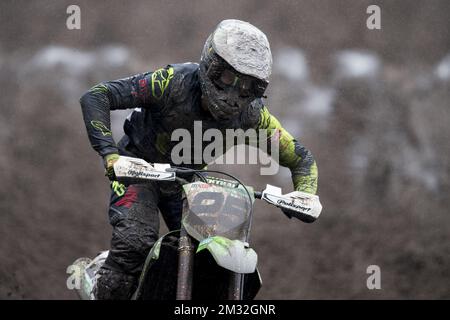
135,168
298,201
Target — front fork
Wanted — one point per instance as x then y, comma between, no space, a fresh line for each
186,272
185,266
236,286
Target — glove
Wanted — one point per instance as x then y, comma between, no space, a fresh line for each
301,216
108,162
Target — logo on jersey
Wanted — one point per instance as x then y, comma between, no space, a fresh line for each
160,81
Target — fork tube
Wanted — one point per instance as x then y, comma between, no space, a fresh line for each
185,266
235,286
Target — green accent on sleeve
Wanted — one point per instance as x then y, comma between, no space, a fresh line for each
307,183
288,156
99,88
160,81
100,126
265,119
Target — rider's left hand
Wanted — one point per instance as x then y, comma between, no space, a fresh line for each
108,162
301,216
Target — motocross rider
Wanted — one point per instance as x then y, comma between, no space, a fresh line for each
225,90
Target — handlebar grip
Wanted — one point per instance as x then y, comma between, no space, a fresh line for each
258,194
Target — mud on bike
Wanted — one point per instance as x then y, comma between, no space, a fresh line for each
210,256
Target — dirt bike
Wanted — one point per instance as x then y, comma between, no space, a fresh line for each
210,256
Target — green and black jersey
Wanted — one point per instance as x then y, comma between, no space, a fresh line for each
168,99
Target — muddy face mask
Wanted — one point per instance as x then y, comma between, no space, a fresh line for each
228,92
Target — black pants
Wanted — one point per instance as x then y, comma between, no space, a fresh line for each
134,216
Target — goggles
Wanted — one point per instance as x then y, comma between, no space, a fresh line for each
224,77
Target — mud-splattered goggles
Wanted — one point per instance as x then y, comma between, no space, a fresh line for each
224,77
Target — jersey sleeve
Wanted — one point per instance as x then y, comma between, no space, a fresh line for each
145,90
292,153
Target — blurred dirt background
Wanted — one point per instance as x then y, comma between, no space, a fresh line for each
372,105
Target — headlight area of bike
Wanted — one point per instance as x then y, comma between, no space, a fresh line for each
217,213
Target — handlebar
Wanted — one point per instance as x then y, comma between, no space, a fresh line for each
134,169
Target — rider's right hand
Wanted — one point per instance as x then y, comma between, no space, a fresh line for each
108,162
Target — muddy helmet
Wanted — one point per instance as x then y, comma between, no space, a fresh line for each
235,66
